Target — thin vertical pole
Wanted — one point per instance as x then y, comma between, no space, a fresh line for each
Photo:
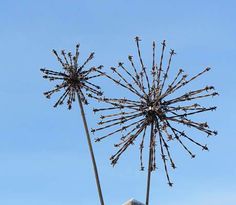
91,150
149,165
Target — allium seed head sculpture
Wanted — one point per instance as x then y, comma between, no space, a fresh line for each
74,81
153,106
73,78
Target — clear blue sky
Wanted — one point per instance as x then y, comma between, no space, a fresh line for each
44,157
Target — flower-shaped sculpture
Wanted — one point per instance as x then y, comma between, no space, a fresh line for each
74,79
152,106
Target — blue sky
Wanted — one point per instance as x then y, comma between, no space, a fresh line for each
44,157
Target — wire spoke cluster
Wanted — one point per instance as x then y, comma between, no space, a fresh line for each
150,106
73,78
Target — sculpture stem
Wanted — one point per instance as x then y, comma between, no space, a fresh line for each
149,165
91,150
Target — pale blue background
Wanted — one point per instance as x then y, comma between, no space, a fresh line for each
44,157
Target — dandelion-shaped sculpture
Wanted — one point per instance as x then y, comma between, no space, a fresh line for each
74,81
153,106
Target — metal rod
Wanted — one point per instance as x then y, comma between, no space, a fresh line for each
91,151
149,166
